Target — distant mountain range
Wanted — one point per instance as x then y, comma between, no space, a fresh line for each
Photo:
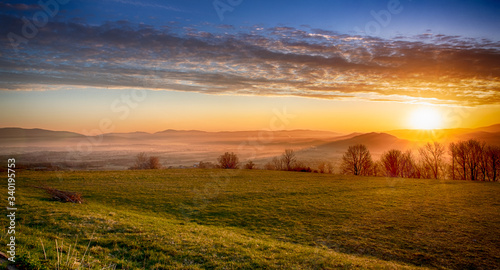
488,134
188,147
312,142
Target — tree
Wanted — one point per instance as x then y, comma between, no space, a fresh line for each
288,159
143,162
409,168
154,163
250,165
475,153
467,157
391,162
493,162
357,160
458,152
431,156
277,164
228,161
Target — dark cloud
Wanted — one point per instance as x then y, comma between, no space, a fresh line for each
18,7
261,61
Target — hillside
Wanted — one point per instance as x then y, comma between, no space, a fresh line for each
36,133
242,219
489,134
377,143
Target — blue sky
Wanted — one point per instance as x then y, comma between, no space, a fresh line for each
444,53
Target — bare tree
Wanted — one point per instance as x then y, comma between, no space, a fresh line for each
458,152
228,161
475,153
143,162
288,159
357,160
431,156
391,161
452,148
154,163
466,159
277,164
493,162
408,166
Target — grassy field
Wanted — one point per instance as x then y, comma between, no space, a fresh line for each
252,219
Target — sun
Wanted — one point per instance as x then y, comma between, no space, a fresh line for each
425,118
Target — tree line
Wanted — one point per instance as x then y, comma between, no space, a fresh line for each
463,160
468,160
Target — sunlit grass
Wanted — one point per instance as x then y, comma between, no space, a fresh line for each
199,219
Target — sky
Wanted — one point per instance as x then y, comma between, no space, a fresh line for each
345,66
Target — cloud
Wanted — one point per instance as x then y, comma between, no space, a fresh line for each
274,61
19,7
143,4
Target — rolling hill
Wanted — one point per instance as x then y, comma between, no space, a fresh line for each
188,147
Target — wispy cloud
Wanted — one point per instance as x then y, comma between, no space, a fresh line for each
19,6
260,61
144,4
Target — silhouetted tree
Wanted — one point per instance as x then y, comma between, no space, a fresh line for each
475,154
288,159
431,156
408,166
228,161
357,160
493,162
466,159
391,161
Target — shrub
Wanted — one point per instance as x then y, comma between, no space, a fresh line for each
143,162
228,161
250,165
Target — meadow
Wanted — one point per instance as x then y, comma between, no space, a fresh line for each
254,219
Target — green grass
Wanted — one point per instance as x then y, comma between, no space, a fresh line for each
248,219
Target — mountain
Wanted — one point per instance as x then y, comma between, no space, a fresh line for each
482,136
377,143
374,141
17,133
489,134
491,129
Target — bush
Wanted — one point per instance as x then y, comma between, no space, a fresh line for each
206,165
143,162
250,165
228,161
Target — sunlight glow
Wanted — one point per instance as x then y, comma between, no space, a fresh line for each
425,118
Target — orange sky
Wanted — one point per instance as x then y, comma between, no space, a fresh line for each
126,110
